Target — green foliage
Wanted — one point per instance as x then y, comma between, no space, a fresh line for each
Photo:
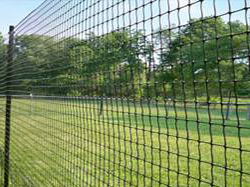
39,60
202,51
3,60
109,65
117,64
3,47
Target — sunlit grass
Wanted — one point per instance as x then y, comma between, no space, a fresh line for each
68,143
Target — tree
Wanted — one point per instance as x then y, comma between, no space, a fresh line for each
110,65
3,48
39,60
205,50
3,61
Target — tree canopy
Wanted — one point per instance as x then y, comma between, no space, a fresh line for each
205,54
205,50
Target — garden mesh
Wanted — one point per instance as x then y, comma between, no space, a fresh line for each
127,93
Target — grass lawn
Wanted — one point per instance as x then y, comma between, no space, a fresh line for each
68,143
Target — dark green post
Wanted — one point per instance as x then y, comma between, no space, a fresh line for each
8,108
228,105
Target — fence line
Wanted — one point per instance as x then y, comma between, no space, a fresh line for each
126,93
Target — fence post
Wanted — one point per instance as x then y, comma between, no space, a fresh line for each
228,106
8,107
248,112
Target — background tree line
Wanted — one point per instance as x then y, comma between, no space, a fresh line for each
206,54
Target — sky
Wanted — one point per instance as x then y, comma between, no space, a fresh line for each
13,11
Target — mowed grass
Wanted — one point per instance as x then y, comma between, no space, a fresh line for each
69,143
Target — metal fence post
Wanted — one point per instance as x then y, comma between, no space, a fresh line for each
248,112
8,107
228,105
